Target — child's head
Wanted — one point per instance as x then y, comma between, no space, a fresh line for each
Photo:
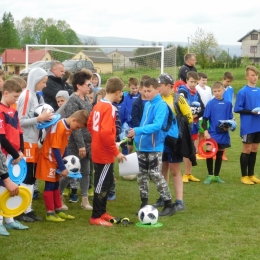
78,119
151,88
192,79
90,96
133,84
2,79
21,81
37,79
165,84
61,97
101,94
227,79
81,81
11,92
202,79
114,86
218,89
252,75
95,80
143,79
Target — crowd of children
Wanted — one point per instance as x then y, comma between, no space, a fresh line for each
93,120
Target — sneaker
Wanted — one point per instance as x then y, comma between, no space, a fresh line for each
209,179
199,157
63,215
168,210
100,222
63,205
91,192
254,179
111,197
180,206
246,180
33,216
159,203
73,198
224,158
218,180
185,178
54,218
3,231
24,217
192,178
16,225
106,217
85,204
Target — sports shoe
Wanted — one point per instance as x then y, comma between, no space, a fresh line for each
179,206
209,179
54,218
199,157
111,197
192,178
85,204
33,216
224,158
16,225
63,205
254,179
246,180
106,217
24,217
100,222
218,180
168,210
3,231
185,178
73,198
63,215
159,203
91,192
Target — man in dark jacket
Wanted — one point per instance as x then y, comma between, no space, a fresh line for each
55,83
189,65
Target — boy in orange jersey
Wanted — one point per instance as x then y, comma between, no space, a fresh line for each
101,125
50,159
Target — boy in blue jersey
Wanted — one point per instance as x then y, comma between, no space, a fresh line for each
149,139
217,109
247,99
229,91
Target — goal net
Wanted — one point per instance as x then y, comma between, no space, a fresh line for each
121,61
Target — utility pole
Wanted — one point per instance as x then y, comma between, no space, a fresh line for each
188,44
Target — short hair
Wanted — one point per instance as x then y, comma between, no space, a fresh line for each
12,85
81,116
228,75
151,82
20,80
133,81
114,84
101,92
79,78
2,75
252,68
55,64
192,74
67,74
189,56
143,79
217,84
87,71
202,75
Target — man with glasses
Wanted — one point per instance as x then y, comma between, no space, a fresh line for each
189,65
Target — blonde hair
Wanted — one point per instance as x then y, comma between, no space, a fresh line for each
217,84
81,116
252,68
114,84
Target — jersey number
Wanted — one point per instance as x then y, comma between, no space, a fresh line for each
96,118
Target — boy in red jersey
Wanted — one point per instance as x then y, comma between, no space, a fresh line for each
50,159
101,125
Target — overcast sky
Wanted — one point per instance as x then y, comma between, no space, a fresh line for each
159,21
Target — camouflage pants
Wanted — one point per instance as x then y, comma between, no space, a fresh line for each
150,167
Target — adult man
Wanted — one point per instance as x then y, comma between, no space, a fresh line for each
55,83
189,63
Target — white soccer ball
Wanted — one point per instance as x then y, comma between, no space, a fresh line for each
129,177
38,110
72,163
148,215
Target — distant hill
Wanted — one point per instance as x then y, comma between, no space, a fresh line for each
231,49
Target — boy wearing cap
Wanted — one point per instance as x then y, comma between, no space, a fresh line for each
170,160
61,97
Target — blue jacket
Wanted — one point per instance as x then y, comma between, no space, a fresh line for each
150,136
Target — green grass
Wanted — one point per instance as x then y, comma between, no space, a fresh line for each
221,222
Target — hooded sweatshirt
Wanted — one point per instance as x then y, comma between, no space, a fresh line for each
26,105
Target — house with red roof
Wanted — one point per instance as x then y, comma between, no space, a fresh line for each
13,60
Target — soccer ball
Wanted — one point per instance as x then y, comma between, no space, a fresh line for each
38,110
72,163
129,177
148,215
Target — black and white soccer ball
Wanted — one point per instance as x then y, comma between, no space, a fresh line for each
148,215
72,163
39,109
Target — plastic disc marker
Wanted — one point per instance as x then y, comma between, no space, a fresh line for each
75,175
17,172
46,124
211,153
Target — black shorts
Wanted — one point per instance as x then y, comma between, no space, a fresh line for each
253,138
223,146
170,158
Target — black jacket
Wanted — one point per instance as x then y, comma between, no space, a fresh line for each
137,111
184,69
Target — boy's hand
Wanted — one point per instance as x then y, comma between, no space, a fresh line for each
121,158
195,115
131,133
82,152
64,173
12,187
45,116
17,160
206,134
